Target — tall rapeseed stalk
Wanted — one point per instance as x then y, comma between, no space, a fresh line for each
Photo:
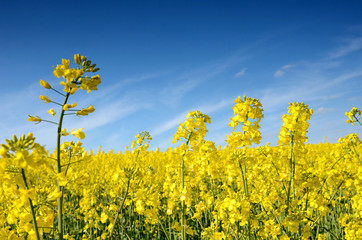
74,80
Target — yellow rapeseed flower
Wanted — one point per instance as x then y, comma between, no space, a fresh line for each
67,106
65,63
85,111
64,132
78,133
45,84
51,112
77,59
58,71
62,179
3,151
45,99
35,119
54,195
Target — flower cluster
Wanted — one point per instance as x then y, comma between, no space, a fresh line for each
73,76
354,116
21,152
249,113
193,130
143,140
295,125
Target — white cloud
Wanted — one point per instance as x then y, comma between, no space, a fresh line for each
345,77
110,113
352,46
176,91
288,66
323,110
207,109
241,73
279,73
330,97
169,124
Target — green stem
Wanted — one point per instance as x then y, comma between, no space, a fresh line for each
57,103
243,174
358,120
183,233
66,169
183,201
285,189
69,163
355,152
59,170
35,225
58,92
49,121
163,229
120,208
291,174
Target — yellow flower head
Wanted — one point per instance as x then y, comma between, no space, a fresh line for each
295,124
45,99
62,179
67,106
90,83
69,87
45,84
54,195
58,71
77,59
353,115
65,63
3,151
248,113
51,112
78,133
35,119
85,111
64,132
193,130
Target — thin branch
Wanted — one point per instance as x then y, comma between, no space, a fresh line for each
58,92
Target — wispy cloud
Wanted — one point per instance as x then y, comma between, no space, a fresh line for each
344,77
323,110
172,93
180,118
352,45
288,66
330,97
169,124
241,73
189,80
108,114
281,71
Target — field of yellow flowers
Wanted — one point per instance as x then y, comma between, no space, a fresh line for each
194,191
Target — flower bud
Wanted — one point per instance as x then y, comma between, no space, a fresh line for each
30,136
77,59
45,84
45,99
35,119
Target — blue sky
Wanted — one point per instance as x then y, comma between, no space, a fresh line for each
161,59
